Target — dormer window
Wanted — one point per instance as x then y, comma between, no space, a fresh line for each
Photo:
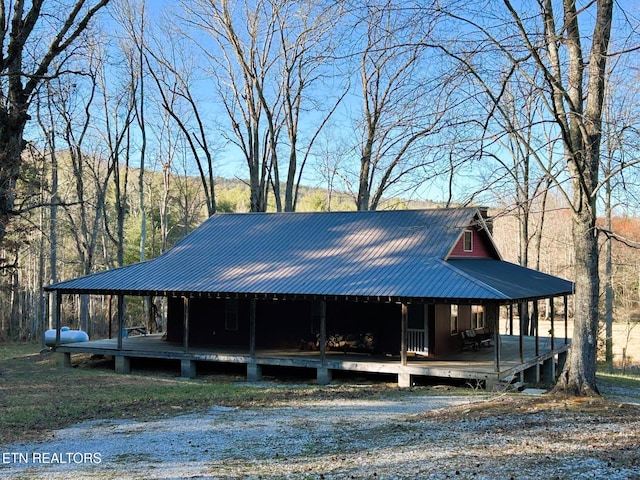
467,241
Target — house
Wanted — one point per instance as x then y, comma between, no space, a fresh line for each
380,291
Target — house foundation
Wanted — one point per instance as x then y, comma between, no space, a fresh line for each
187,368
123,364
474,365
562,359
549,371
532,374
63,359
323,376
404,380
254,372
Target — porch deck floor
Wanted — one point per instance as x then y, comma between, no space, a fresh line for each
474,364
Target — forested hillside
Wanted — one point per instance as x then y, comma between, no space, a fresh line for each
88,227
77,234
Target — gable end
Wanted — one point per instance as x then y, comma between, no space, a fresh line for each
473,243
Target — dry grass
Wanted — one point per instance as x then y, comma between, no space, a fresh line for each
37,396
277,430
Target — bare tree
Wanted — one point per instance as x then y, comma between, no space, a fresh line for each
404,103
132,19
575,90
578,114
526,163
242,57
169,144
621,129
117,117
305,40
266,56
32,37
85,206
174,73
66,124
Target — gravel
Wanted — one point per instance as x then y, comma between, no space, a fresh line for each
416,436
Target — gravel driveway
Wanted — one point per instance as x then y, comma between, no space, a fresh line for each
330,439
224,442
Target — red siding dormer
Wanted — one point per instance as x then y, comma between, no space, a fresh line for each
473,243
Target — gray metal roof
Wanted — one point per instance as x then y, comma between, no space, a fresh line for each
382,254
512,280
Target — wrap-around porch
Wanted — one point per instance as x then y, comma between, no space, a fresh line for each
519,358
253,289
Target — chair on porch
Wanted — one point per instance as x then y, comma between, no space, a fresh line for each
484,337
469,340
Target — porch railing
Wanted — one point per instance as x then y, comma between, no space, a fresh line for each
417,341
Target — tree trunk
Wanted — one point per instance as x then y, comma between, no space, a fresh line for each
579,374
362,202
20,79
585,132
53,226
11,145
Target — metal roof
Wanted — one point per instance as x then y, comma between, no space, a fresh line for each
381,254
514,281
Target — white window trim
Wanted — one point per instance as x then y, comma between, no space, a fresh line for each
477,316
464,241
454,319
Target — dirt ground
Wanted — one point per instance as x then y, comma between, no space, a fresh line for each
415,436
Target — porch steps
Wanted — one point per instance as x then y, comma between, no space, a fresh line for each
511,382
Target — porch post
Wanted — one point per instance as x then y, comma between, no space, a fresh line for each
520,336
496,336
566,320
252,327
323,333
123,364
187,365
120,320
511,319
254,371
148,311
323,374
56,314
185,318
62,359
109,314
403,333
552,314
535,319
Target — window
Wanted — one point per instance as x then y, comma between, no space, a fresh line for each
231,315
477,316
454,319
467,241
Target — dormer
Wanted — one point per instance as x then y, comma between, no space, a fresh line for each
475,240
